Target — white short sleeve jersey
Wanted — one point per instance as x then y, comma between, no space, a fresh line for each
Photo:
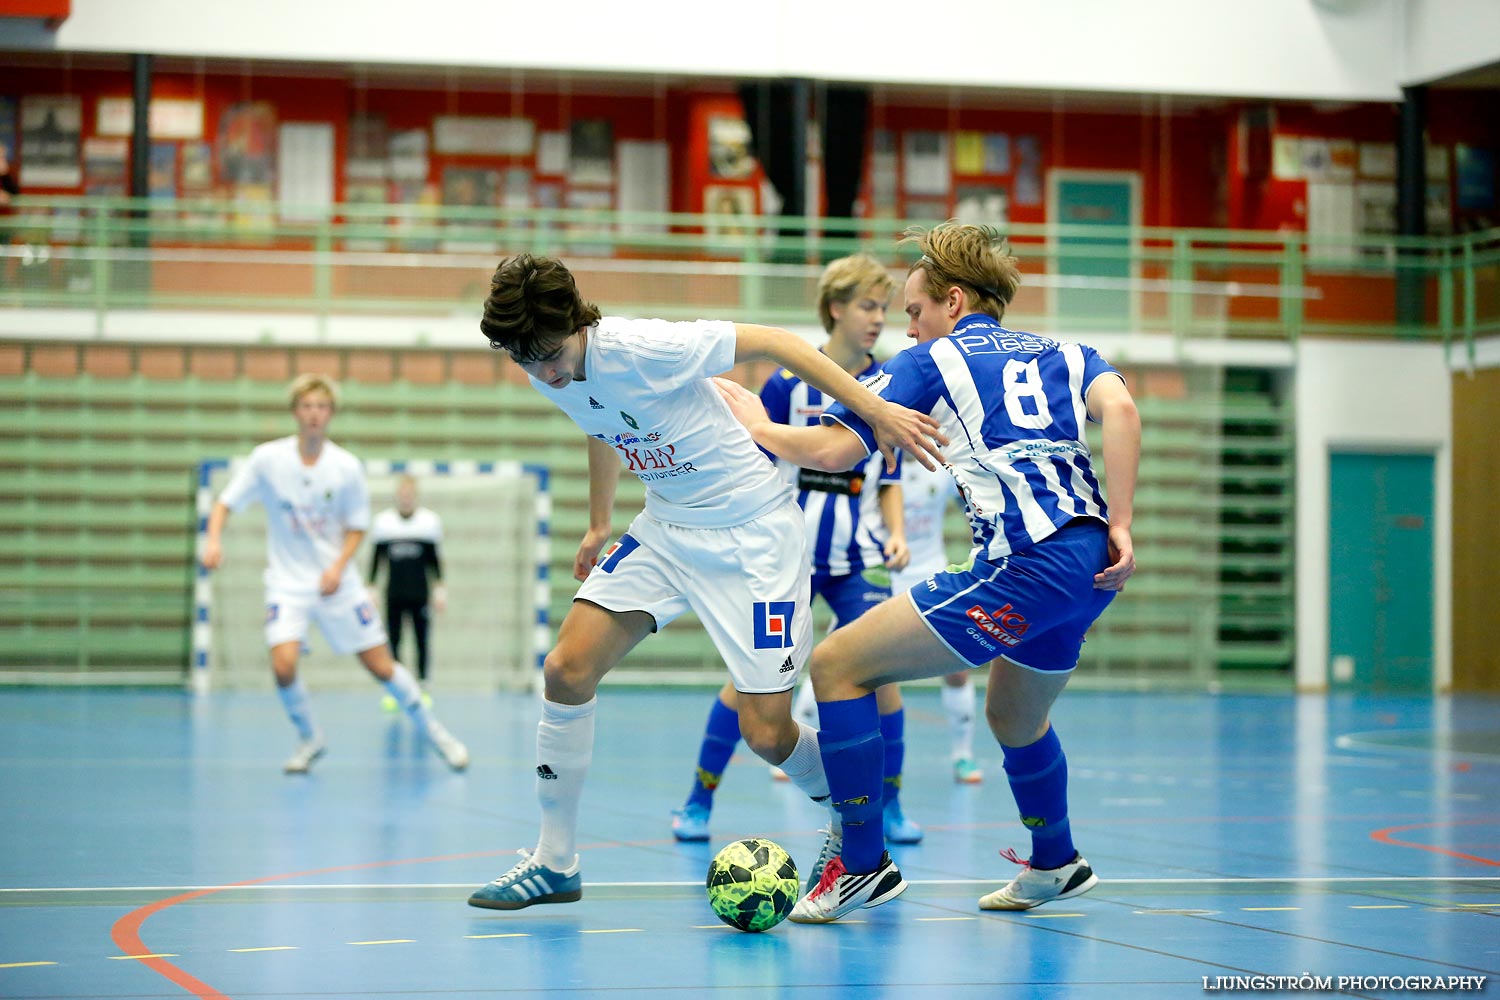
924,499
308,510
646,393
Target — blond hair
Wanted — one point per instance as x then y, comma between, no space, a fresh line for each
845,278
311,382
976,258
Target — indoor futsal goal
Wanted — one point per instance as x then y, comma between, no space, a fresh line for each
494,631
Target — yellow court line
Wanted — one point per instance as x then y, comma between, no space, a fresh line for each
486,937
134,958
714,927
23,965
1052,916
1381,906
275,947
615,930
1174,913
393,941
1478,906
939,919
1269,909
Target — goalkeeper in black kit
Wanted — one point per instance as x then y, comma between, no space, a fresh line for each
407,538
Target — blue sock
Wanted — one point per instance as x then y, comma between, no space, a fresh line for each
1038,776
852,758
719,739
893,731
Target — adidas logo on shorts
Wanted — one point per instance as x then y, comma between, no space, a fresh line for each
786,667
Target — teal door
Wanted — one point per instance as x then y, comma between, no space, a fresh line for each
1380,537
1094,270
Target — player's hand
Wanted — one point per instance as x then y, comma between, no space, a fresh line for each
588,554
440,598
744,404
917,434
897,555
329,581
213,554
1122,564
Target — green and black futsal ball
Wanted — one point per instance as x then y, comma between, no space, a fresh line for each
752,884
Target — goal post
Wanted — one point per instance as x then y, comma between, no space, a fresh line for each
494,631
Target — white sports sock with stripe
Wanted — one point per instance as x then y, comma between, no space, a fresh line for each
299,709
564,750
804,767
958,703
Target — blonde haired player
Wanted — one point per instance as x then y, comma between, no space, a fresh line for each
317,511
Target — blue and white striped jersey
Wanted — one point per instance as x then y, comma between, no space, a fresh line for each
1012,406
845,532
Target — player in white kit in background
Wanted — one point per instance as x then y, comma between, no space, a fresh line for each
317,510
925,496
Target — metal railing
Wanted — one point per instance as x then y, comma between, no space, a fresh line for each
112,254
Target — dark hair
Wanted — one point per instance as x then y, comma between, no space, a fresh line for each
532,307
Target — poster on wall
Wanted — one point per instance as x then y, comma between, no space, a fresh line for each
51,142
104,166
464,135
552,154
1028,171
1286,157
367,157
168,117
729,148
478,190
1475,167
983,205
197,170
1377,161
599,200
996,153
924,162
591,151
1375,213
645,180
417,217
730,209
305,170
968,152
161,171
884,175
372,197
408,152
247,143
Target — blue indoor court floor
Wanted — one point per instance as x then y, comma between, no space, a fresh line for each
151,847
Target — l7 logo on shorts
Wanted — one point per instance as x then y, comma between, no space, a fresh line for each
616,552
1004,624
773,624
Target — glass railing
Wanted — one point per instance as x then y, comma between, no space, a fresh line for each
110,254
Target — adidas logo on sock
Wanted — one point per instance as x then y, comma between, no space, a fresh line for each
546,773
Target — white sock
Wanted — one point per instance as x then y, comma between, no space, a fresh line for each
403,687
564,749
804,766
958,703
805,705
299,709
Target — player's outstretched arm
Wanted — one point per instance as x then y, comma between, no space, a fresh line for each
895,427
1111,404
604,479
213,551
828,448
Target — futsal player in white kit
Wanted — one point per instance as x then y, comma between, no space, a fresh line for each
721,533
925,495
317,511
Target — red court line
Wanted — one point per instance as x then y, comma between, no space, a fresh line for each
1384,837
126,932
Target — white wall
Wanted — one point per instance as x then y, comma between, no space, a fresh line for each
1448,36
1371,397
1329,49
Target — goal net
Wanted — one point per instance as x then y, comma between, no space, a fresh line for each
494,551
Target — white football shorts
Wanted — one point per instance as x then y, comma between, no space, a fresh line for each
346,618
749,585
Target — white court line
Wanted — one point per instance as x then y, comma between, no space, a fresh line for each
1254,880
